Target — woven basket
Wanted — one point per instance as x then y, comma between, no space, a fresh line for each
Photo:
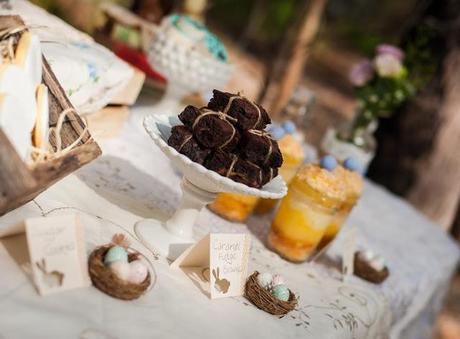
108,282
363,270
262,298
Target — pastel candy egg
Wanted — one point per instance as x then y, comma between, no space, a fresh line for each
121,269
277,132
367,255
138,272
328,162
281,292
265,280
377,263
278,279
289,127
115,253
352,164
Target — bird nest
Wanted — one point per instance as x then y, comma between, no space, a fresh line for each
108,282
263,299
364,270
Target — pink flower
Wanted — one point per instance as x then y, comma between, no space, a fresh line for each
390,50
387,65
361,73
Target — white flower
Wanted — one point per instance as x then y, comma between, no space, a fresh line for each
387,65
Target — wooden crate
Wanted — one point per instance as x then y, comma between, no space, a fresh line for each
20,183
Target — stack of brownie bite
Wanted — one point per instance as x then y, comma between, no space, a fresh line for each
228,136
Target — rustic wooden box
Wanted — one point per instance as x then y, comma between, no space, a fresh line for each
20,183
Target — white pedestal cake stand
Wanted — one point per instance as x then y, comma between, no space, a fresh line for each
186,68
199,187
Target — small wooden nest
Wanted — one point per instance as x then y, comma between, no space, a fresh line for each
108,282
262,298
365,271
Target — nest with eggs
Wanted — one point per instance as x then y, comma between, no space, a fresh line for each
264,300
108,282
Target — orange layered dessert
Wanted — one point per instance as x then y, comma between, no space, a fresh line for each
233,207
293,158
317,203
353,187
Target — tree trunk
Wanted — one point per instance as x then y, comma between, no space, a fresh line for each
437,190
289,64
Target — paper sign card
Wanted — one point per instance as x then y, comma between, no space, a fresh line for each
57,253
218,263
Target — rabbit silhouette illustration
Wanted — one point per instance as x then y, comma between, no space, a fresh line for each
220,285
50,279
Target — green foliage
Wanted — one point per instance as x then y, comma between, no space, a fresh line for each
381,96
421,58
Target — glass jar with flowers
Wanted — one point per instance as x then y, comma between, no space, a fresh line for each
382,85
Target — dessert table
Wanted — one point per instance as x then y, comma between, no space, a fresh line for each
133,180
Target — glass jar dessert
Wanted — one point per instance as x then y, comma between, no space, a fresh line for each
318,202
233,207
353,186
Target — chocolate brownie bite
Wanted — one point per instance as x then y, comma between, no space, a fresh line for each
182,140
231,166
259,148
211,129
268,174
248,114
188,115
247,173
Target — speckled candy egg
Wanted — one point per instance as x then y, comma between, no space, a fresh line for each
265,280
328,162
278,279
138,272
289,126
281,292
277,132
352,164
121,269
115,253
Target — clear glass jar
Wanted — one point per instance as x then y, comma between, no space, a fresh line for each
233,207
287,172
336,224
302,219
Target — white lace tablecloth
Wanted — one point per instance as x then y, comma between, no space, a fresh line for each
133,180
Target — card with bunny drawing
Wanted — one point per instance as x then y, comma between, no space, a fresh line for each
217,264
57,253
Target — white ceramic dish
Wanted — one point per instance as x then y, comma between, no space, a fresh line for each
200,186
159,129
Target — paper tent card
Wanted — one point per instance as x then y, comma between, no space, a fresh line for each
218,263
57,253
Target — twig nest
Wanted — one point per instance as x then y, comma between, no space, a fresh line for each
276,299
118,278
370,266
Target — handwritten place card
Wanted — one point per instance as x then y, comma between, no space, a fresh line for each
57,253
218,264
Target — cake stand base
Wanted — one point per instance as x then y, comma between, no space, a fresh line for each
154,235
171,238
